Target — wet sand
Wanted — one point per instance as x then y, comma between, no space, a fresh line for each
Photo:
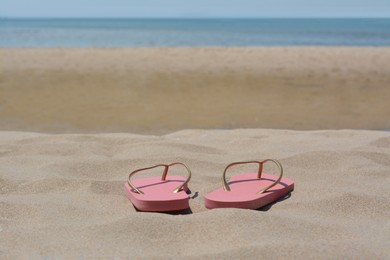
161,90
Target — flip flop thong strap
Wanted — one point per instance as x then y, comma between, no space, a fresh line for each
163,177
260,163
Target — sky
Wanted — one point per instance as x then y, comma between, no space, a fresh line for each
195,8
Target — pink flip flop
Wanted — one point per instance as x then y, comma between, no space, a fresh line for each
159,194
250,190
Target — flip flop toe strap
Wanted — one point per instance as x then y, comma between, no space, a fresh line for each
260,170
163,177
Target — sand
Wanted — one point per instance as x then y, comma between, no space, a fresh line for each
75,122
160,90
61,196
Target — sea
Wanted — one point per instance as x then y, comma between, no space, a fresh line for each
87,33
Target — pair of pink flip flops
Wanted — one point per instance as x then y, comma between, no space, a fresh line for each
251,190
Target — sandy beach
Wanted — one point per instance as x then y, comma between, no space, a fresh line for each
75,122
160,90
61,196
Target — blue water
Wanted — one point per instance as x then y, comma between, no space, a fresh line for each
41,33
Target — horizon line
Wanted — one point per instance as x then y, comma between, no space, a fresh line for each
205,17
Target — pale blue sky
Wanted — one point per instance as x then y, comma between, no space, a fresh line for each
195,8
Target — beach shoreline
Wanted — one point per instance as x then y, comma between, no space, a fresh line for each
162,90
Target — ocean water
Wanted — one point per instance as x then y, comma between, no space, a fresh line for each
42,33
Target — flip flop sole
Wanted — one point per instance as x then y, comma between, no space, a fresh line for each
158,194
244,188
